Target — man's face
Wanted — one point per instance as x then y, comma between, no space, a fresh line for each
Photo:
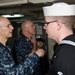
39,44
6,29
50,27
31,28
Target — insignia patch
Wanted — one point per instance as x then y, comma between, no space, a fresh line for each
59,73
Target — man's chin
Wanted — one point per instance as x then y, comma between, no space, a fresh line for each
10,36
34,33
49,37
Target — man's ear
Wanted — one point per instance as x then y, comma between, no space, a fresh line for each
59,24
26,29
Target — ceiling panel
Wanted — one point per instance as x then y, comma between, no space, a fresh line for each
12,2
46,1
41,1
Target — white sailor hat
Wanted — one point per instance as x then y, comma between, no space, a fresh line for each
59,9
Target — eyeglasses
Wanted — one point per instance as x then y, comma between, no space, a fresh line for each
46,23
9,25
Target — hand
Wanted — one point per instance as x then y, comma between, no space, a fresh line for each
40,52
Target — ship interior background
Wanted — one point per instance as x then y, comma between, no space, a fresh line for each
18,10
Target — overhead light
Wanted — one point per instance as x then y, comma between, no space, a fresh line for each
19,22
13,16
